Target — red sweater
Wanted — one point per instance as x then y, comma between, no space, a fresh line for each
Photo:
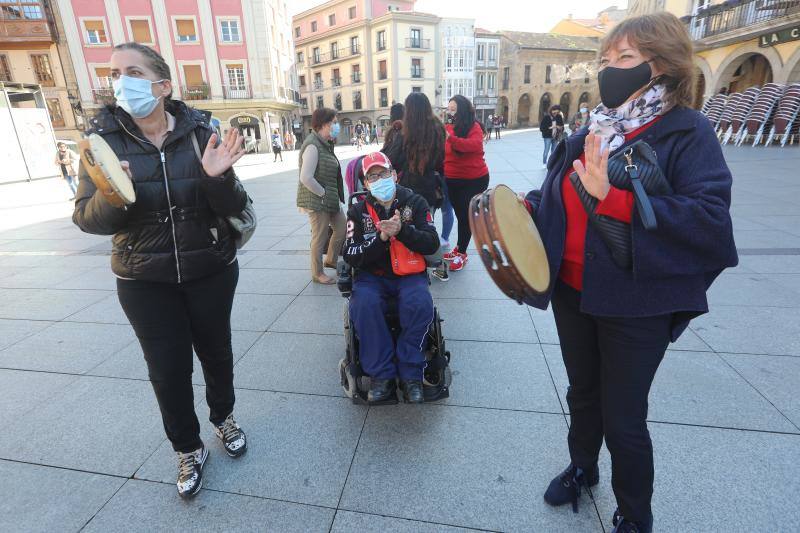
618,204
463,156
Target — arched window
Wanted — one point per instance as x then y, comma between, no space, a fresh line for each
544,105
565,101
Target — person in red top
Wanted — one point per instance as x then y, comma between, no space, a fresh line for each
465,170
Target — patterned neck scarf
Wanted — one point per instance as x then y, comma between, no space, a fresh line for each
613,124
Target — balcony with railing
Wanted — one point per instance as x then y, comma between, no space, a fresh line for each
319,85
355,77
195,92
335,55
380,46
103,96
416,72
737,19
356,103
336,82
420,44
236,92
25,22
382,75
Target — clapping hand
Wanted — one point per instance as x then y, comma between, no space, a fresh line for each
594,174
218,159
391,227
127,168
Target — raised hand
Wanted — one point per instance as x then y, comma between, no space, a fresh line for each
218,159
391,227
127,168
594,175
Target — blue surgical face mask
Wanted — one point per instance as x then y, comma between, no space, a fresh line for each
335,128
383,190
135,95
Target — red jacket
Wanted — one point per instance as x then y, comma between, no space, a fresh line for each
463,156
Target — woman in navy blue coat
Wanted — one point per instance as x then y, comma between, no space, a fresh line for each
615,323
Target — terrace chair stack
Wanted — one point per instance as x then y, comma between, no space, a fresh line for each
759,119
727,113
740,112
712,109
785,123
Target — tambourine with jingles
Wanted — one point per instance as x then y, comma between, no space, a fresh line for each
509,244
103,167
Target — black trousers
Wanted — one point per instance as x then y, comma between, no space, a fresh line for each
169,319
461,192
611,363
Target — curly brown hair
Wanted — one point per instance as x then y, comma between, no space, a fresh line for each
423,134
662,37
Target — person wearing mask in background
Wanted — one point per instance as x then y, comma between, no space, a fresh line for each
497,123
276,146
288,140
488,125
320,192
580,119
359,131
549,126
615,322
465,171
66,160
173,252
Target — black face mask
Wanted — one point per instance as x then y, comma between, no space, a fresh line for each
618,84
451,118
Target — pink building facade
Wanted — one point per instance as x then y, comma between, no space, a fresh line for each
233,58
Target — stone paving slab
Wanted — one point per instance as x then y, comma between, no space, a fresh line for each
145,506
313,314
696,388
464,467
259,281
712,480
44,499
748,290
759,330
486,320
348,522
37,304
13,331
23,391
299,449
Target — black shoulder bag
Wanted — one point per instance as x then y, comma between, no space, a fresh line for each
633,169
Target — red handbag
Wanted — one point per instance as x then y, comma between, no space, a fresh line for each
404,261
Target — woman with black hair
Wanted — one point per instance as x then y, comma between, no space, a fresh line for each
465,170
393,139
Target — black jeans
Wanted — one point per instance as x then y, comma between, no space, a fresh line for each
611,363
169,319
460,192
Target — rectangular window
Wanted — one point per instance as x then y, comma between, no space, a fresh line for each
527,74
332,19
547,72
382,72
103,75
95,31
193,75
356,77
490,82
384,97
313,25
337,102
21,9
56,116
481,50
479,86
416,38
302,81
236,77
185,31
320,102
318,80
5,68
354,46
352,12
297,31
492,52
382,40
42,70
416,68
334,50
416,89
140,31
586,76
300,57
336,79
356,99
315,55
568,74
229,30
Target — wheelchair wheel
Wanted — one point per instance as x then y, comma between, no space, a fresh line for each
348,381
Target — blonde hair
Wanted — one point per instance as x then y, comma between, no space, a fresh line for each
662,37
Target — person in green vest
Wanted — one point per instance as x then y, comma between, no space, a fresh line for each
320,193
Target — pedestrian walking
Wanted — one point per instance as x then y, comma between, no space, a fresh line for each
67,160
550,127
374,134
616,314
465,171
320,193
359,131
173,253
288,140
276,146
497,123
488,126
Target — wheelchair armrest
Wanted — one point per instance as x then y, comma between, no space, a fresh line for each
344,278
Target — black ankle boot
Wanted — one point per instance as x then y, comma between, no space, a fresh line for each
622,525
566,487
412,391
382,390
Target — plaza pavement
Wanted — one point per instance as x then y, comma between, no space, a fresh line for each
82,447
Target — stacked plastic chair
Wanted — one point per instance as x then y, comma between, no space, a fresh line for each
727,113
740,112
759,118
713,108
785,122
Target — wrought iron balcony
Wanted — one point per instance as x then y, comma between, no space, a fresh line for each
382,75
356,77
195,92
103,96
341,53
236,92
336,82
319,85
740,17
416,72
423,44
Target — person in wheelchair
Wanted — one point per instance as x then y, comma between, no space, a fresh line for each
388,234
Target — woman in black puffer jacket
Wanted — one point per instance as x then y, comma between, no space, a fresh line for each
173,253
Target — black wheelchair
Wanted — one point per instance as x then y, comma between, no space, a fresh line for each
436,376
